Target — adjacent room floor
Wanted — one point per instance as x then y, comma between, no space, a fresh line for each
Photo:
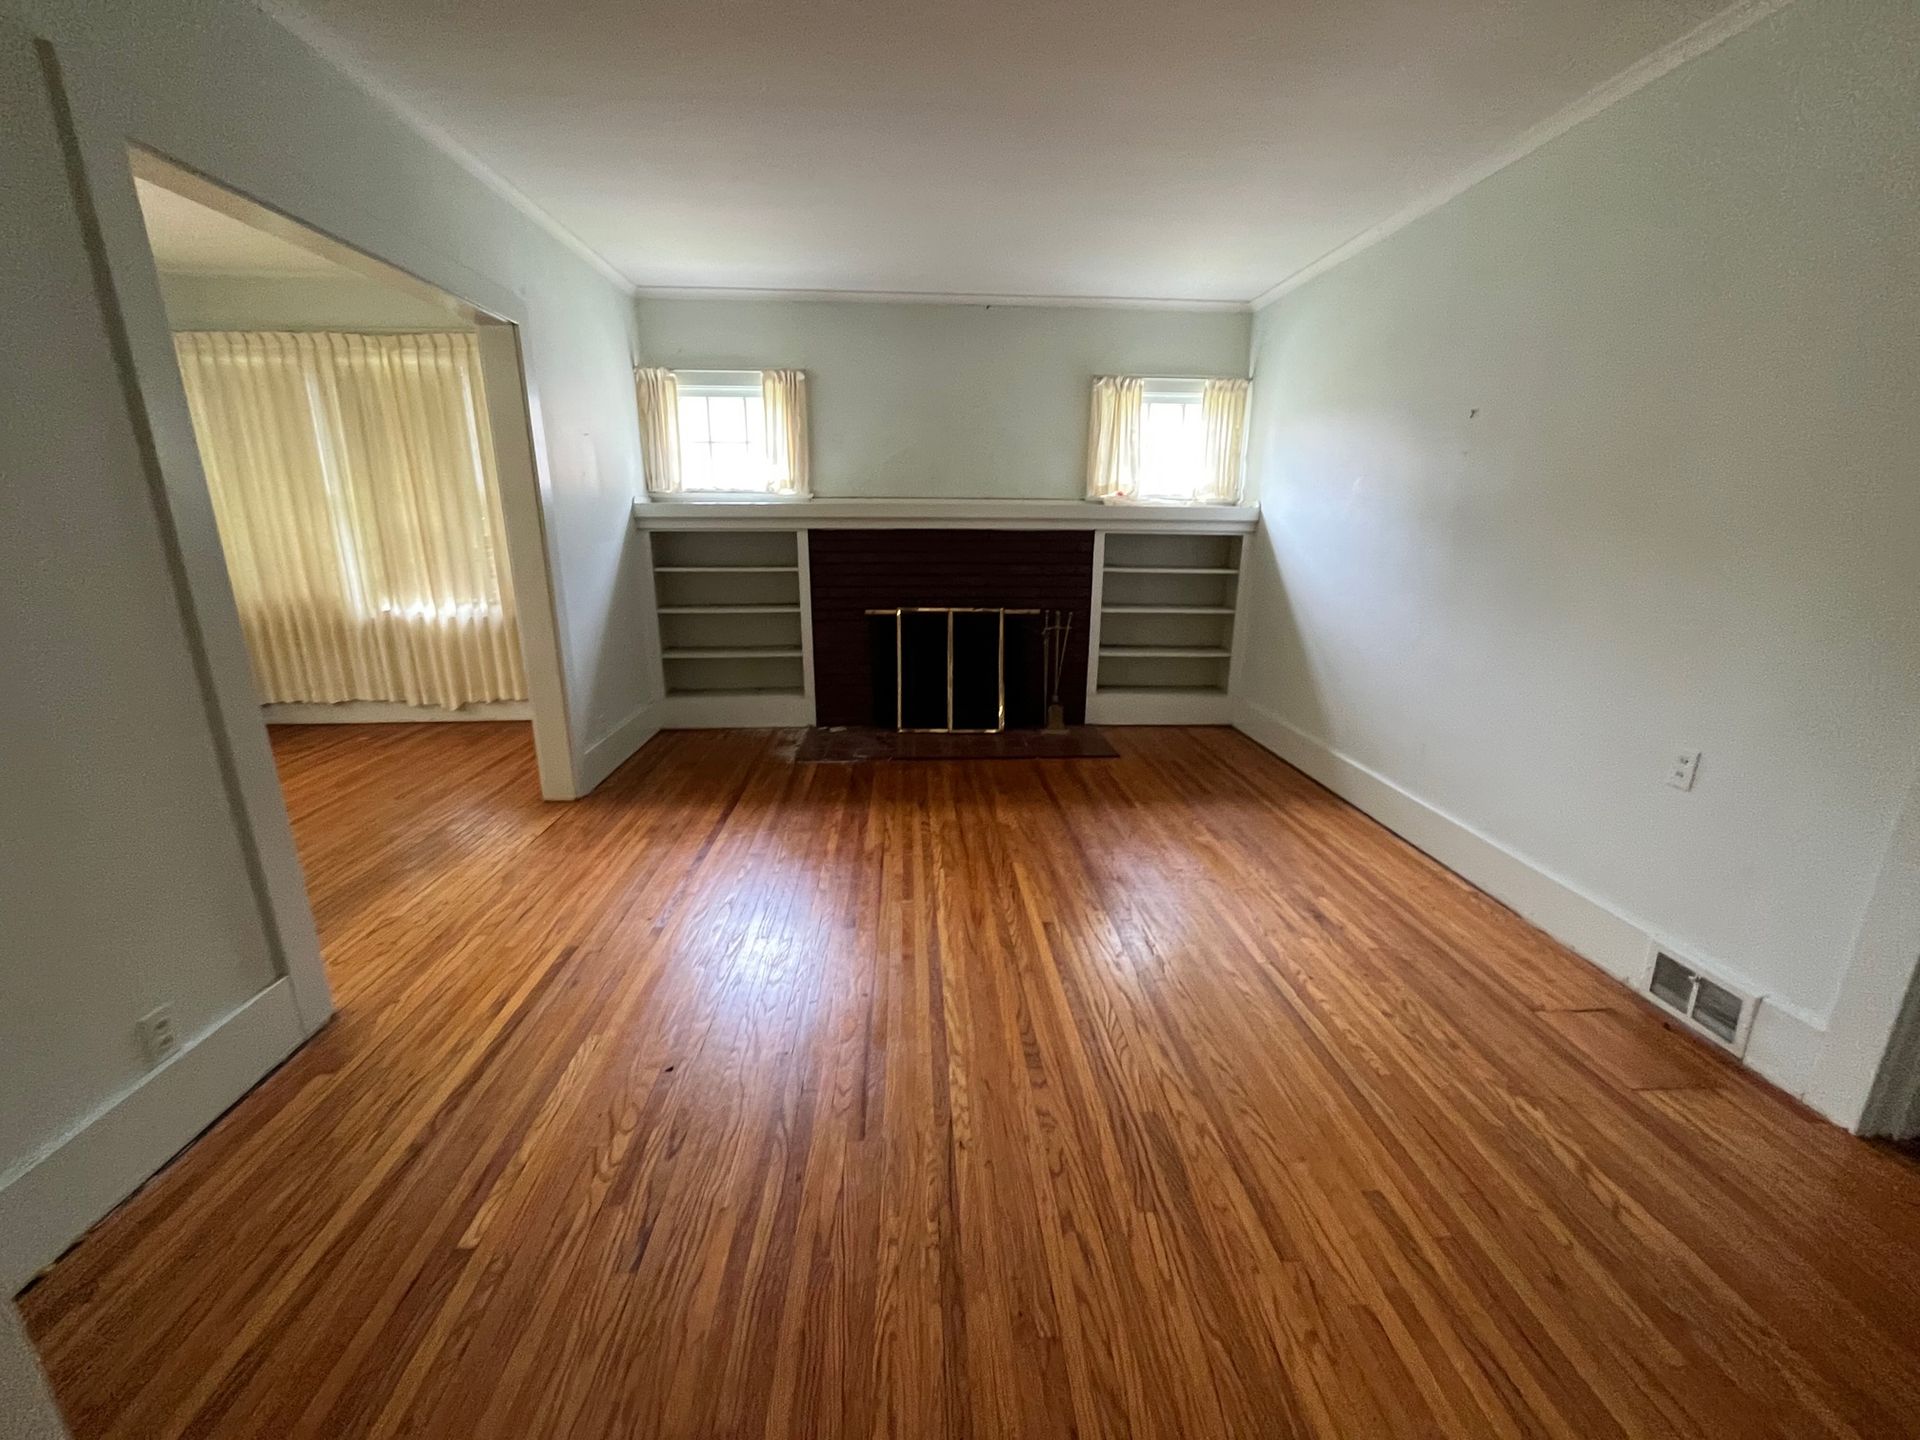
1163,1095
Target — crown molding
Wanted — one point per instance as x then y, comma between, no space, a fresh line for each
323,45
1636,77
932,297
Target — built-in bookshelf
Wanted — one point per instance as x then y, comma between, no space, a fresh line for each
731,605
1153,591
1167,603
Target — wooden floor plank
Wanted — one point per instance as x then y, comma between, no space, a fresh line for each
1163,1095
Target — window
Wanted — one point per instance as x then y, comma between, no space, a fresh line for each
738,432
1173,440
723,431
1166,441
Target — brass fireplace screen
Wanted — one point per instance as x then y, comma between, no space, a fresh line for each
949,669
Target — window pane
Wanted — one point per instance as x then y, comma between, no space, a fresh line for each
727,414
1172,449
693,418
695,466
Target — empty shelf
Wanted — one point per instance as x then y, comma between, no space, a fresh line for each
1172,570
729,609
1163,652
743,653
1160,692
726,569
1166,609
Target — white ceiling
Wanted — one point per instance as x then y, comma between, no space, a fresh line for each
187,237
1143,149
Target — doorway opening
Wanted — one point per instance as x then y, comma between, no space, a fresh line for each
364,452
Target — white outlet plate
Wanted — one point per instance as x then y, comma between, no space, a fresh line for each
157,1035
1681,772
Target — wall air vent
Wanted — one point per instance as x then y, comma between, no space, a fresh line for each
1718,1011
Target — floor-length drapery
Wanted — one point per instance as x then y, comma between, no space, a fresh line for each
353,483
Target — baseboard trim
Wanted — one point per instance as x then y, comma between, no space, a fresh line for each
1785,1044
610,751
392,712
50,1202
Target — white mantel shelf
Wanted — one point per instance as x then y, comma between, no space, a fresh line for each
821,514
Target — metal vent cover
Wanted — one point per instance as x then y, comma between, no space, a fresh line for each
1715,1009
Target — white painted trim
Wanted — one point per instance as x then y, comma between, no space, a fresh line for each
384,712
49,1202
1785,1043
914,514
942,297
655,662
1696,42
735,712
319,40
183,509
533,561
1096,612
1869,1077
610,751
1237,627
1159,707
804,553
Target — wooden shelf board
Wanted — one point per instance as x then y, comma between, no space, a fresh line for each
726,569
1163,652
785,692
1172,570
1166,609
1162,692
729,610
755,652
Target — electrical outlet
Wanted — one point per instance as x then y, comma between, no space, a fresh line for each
1680,773
157,1035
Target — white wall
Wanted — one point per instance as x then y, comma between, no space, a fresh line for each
146,856
943,400
27,1411
123,881
1615,456
292,302
220,88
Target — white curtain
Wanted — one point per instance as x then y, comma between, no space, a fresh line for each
1113,438
353,484
1223,412
784,393
658,395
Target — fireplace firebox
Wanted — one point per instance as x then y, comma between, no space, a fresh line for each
995,589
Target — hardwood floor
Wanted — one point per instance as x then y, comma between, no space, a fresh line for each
1158,1096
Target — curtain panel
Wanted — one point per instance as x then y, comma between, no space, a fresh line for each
657,393
784,394
353,485
1113,438
1223,413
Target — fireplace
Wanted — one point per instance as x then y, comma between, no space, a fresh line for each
967,669
893,609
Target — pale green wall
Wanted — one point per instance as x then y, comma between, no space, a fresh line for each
1618,455
262,302
944,400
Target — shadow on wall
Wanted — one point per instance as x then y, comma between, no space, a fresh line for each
1279,665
